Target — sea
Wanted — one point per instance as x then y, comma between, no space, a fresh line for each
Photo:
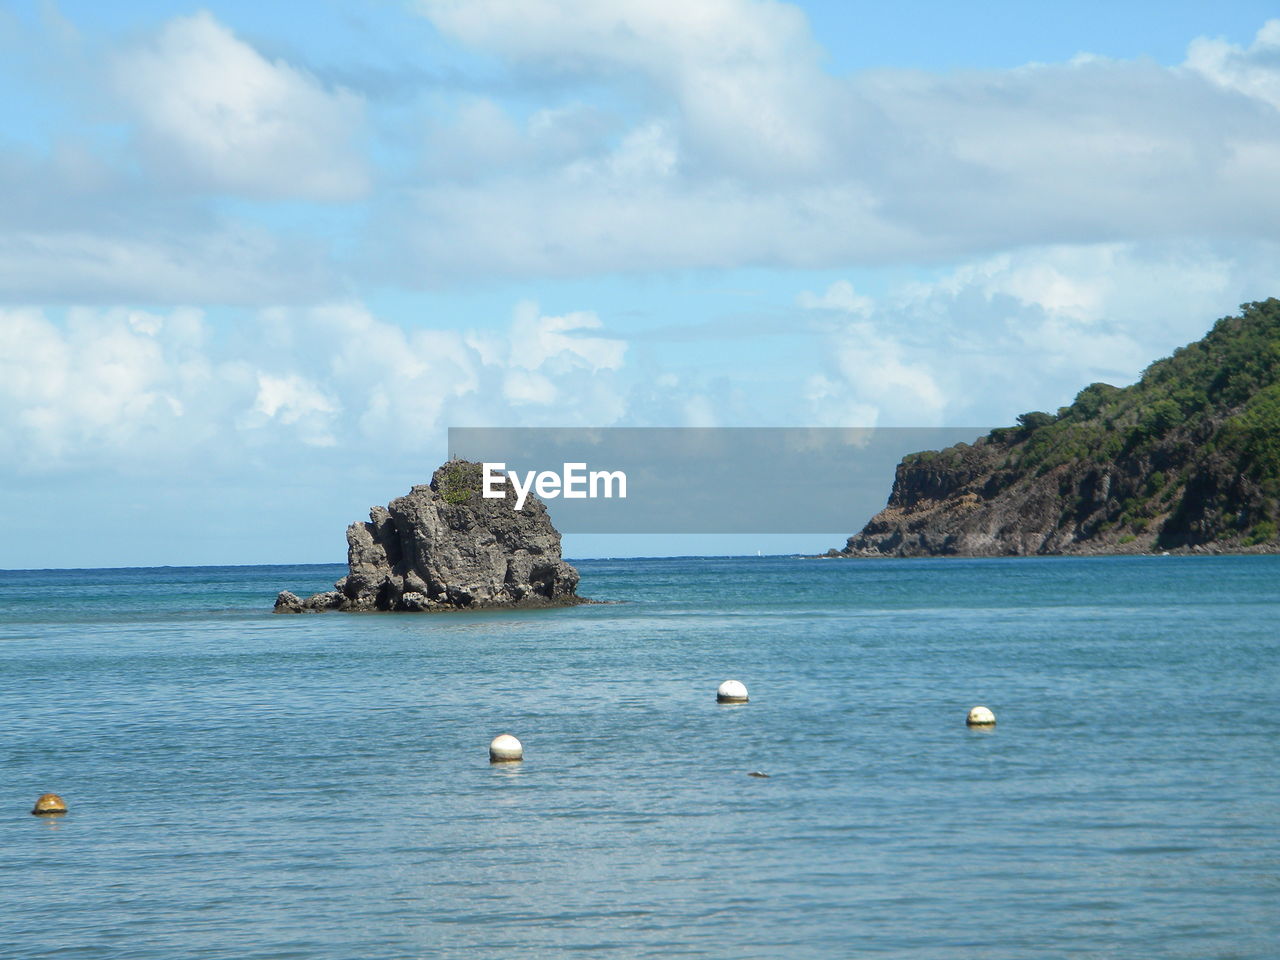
246,785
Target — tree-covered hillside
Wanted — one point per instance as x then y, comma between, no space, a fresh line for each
1186,458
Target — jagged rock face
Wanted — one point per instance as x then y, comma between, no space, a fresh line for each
968,508
443,546
965,502
934,508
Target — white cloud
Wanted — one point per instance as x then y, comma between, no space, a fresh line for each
840,296
479,138
565,224
700,411
521,387
124,389
875,382
739,150
646,154
110,383
293,399
736,69
648,135
214,110
538,341
123,199
210,264
1253,71
995,337
837,402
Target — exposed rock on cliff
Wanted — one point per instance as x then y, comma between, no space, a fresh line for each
1185,460
443,546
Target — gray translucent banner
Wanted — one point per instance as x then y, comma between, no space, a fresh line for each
704,480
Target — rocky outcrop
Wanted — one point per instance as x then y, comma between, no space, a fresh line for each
963,502
443,546
1186,460
288,602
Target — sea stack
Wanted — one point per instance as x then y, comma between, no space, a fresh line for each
443,546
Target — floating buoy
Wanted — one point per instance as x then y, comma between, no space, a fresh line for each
981,717
731,691
49,803
505,749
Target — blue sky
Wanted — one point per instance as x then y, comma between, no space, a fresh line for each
255,259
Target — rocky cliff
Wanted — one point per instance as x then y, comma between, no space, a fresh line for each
1185,460
443,546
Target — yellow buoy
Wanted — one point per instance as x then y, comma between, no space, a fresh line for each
49,803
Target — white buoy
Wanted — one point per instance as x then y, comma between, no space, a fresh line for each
981,717
505,749
732,691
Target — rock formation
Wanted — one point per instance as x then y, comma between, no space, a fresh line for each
1185,460
443,546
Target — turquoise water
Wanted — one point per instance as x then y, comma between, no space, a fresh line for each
243,785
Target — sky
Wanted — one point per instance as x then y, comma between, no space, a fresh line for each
256,259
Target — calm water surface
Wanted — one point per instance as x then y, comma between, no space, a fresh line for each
244,785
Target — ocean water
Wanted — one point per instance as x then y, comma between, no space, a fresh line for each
243,785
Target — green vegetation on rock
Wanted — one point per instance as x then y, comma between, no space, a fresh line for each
461,481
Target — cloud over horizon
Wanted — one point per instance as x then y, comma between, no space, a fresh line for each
975,346
122,390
